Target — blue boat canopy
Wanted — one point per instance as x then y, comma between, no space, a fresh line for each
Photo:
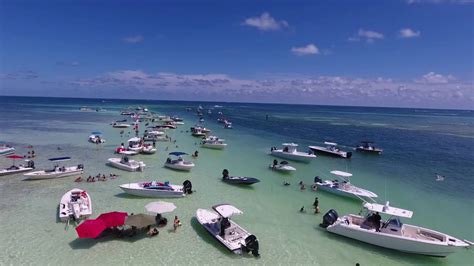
60,159
177,153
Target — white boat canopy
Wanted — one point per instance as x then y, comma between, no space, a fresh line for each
226,210
375,207
341,173
330,143
134,139
290,144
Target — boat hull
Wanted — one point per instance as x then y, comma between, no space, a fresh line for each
240,180
366,196
135,167
299,156
136,190
4,172
214,146
179,167
324,151
38,175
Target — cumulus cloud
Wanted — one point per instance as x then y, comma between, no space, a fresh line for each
367,35
433,78
430,90
133,39
265,22
408,33
309,49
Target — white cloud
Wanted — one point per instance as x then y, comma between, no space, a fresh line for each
408,33
133,39
309,49
368,35
265,23
433,78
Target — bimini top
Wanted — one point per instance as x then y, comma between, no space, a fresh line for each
59,159
330,143
290,144
134,139
341,173
178,153
226,210
375,207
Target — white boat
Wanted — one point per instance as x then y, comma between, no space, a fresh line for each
392,233
96,139
153,135
135,144
331,149
226,231
343,187
57,171
179,163
126,152
15,169
5,149
367,146
283,166
228,124
289,152
155,189
213,142
148,149
120,125
126,164
76,204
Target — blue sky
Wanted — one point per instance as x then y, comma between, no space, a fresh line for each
384,53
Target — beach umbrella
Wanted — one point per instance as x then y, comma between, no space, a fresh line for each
91,228
112,219
160,207
140,220
15,157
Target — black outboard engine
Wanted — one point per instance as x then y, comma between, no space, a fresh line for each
251,245
317,179
31,164
348,154
329,218
80,166
187,187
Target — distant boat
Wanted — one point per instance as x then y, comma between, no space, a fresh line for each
289,152
57,171
178,164
331,149
439,178
282,167
155,189
126,164
76,204
367,146
343,187
213,142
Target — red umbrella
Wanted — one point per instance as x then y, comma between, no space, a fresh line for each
112,219
14,156
90,228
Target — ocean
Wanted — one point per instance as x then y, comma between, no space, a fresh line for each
418,144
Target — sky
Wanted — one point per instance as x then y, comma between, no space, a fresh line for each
394,53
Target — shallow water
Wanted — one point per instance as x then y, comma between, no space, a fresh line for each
417,144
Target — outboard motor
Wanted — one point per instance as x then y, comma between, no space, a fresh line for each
329,218
317,179
348,154
251,245
187,187
80,166
31,164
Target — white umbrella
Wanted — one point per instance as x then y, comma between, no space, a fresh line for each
160,207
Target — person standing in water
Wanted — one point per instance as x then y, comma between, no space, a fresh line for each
316,205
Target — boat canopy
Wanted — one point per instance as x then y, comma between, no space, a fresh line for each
59,159
330,143
341,173
375,207
290,144
177,153
226,210
134,139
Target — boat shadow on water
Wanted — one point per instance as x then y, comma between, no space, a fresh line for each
87,243
395,255
124,195
209,239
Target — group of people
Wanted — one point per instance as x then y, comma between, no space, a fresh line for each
98,177
315,206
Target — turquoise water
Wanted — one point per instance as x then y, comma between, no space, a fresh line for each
417,144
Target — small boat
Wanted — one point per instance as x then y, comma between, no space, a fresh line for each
343,187
201,120
213,142
238,180
148,149
331,149
392,233
203,129
178,164
15,169
5,149
126,164
96,138
197,132
282,167
367,146
153,135
289,152
135,144
124,151
228,125
85,109
57,171
76,204
221,120
177,119
127,113
230,234
120,125
155,189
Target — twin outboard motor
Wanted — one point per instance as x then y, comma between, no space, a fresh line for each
329,218
187,187
251,245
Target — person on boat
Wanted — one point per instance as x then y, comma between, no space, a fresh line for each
285,149
176,223
224,225
275,163
225,174
168,160
316,205
377,218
